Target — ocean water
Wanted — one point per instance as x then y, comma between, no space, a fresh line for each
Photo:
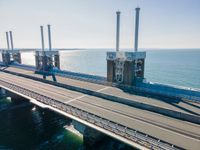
34,128
175,66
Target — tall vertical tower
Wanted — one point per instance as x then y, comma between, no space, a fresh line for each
126,68
118,30
10,55
136,27
46,60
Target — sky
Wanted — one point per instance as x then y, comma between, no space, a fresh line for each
92,23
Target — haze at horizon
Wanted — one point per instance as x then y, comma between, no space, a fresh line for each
91,23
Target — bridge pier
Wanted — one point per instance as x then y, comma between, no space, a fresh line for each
125,68
11,56
91,137
46,61
17,99
2,93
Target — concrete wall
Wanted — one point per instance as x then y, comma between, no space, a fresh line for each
6,58
110,70
17,57
129,73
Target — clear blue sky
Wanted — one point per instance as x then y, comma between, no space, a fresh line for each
91,23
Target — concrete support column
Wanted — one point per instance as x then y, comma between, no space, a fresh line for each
2,92
110,71
57,61
92,137
42,37
17,57
44,63
37,62
17,99
11,40
136,28
118,30
7,39
49,35
6,58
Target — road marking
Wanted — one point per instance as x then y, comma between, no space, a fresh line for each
84,95
102,89
75,98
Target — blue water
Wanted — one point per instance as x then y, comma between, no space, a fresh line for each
177,67
35,128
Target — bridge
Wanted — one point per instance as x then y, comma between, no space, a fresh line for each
123,105
110,110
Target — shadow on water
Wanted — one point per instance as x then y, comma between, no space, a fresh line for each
34,128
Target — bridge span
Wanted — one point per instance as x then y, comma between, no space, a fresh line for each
140,128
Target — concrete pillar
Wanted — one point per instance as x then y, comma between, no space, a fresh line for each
91,138
118,30
44,63
17,99
17,57
78,126
7,39
49,35
36,62
57,61
6,58
110,70
42,37
136,28
128,66
140,66
128,73
2,92
11,40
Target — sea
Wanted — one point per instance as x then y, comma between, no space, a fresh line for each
34,128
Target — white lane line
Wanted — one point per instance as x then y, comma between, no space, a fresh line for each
103,89
76,98
84,95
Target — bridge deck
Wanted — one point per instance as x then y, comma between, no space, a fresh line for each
177,132
181,106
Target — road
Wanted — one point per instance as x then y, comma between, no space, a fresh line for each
185,107
177,132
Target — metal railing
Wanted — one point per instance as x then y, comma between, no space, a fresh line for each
118,129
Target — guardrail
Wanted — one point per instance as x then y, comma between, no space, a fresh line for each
69,74
82,76
118,129
170,91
